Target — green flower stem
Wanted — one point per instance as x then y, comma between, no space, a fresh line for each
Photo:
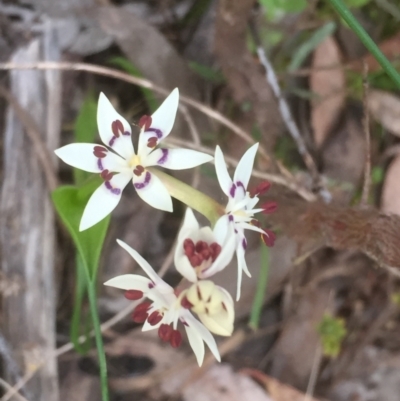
190,196
346,14
259,296
99,340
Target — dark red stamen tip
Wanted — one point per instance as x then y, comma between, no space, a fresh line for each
176,339
133,295
269,207
99,152
164,332
140,314
155,318
260,189
269,238
117,128
152,142
188,246
138,170
106,175
145,122
186,304
215,250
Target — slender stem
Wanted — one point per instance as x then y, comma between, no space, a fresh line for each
259,296
99,340
345,13
190,196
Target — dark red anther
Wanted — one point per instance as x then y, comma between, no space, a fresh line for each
215,250
100,152
133,295
175,339
138,170
269,207
260,189
140,314
196,260
106,175
154,318
200,245
152,142
145,122
164,332
117,128
185,303
269,238
188,246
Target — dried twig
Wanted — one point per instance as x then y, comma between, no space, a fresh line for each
287,116
33,132
8,387
367,168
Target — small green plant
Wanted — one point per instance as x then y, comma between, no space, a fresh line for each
332,330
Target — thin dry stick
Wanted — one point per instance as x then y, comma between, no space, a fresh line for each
33,133
8,387
367,168
287,116
275,178
144,83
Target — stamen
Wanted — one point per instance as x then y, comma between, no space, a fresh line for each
269,238
155,318
176,339
106,175
200,252
196,260
138,171
260,189
185,303
117,128
215,250
188,246
140,314
145,122
269,207
133,295
152,142
100,152
164,332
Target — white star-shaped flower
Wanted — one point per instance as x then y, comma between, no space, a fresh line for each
164,309
240,209
118,163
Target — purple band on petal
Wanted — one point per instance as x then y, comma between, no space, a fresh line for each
230,218
239,184
115,191
236,231
244,243
157,131
164,156
100,164
112,140
232,191
126,133
141,185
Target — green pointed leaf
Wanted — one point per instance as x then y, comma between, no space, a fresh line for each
70,202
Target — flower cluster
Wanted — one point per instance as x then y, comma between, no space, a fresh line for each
201,252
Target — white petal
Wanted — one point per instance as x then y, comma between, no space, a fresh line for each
224,179
106,115
176,159
242,266
204,333
223,258
247,226
245,166
152,191
79,155
222,229
130,282
228,301
196,342
159,282
219,323
184,267
190,223
103,201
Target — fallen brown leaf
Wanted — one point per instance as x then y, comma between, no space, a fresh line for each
329,85
390,200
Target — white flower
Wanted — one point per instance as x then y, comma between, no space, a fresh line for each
200,253
118,163
163,309
240,208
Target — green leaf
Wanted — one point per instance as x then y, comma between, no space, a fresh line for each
85,130
332,331
356,3
78,316
307,47
70,202
275,9
127,66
